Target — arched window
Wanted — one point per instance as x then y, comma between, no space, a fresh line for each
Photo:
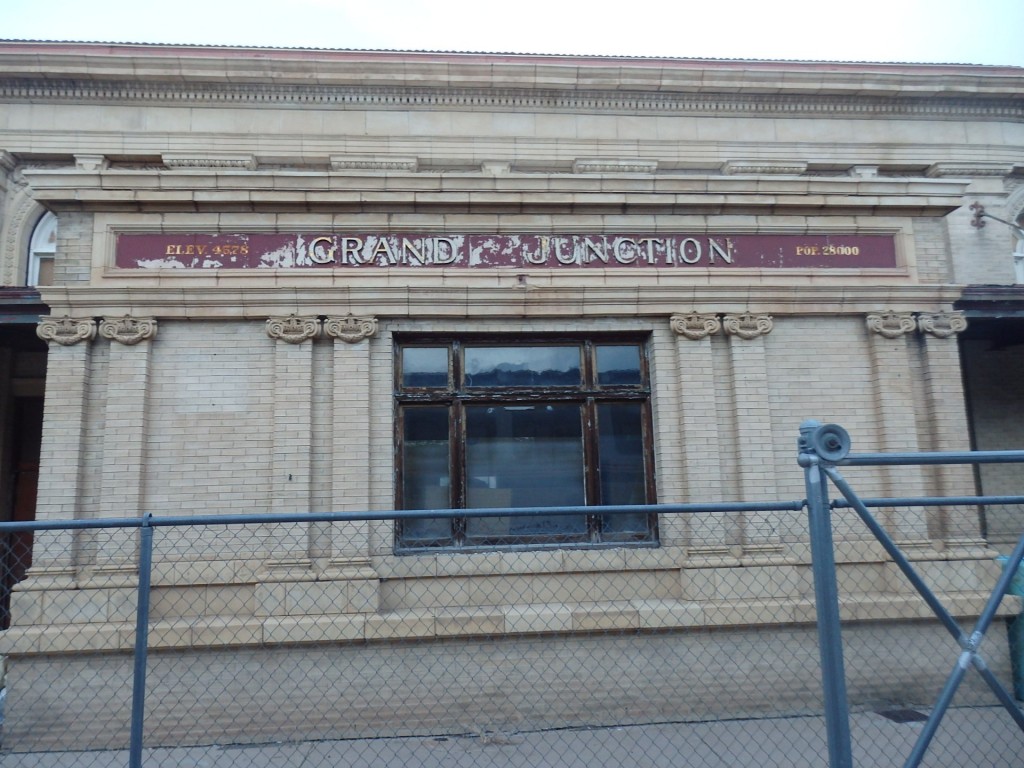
41,251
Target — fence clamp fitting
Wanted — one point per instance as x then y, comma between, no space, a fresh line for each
829,443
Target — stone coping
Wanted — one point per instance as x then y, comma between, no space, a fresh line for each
147,63
496,293
526,619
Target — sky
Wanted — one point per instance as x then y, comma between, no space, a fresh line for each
925,31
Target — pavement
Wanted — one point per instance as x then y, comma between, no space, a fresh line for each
977,736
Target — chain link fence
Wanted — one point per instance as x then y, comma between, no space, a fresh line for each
528,658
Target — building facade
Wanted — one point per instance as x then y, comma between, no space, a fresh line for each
291,281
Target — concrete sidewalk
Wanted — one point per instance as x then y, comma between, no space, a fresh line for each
975,736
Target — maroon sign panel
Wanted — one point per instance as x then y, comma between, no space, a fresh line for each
354,251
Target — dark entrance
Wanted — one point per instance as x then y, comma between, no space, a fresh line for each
22,385
992,360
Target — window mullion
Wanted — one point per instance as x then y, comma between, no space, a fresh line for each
457,424
591,466
458,469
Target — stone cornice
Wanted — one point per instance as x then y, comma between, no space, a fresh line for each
691,194
485,299
90,62
945,103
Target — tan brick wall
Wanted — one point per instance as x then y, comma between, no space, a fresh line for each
233,421
981,256
73,262
211,431
931,247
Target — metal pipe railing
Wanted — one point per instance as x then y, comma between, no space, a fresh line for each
823,447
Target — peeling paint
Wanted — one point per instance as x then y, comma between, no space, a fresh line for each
502,251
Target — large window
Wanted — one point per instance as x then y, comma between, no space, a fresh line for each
483,423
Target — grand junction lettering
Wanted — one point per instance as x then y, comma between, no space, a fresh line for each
387,250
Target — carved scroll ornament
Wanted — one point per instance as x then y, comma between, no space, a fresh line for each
747,325
350,329
695,326
66,330
942,325
293,329
128,330
891,325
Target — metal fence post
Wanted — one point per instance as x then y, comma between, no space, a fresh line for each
826,599
141,644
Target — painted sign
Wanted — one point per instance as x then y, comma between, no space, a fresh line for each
433,251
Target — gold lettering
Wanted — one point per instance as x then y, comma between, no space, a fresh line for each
325,255
629,256
440,257
384,249
688,246
715,249
562,258
409,249
350,250
595,251
534,257
649,242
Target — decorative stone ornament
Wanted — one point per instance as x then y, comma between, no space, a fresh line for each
293,329
91,162
613,165
216,160
695,326
128,330
66,330
373,163
891,325
942,325
350,329
748,326
763,167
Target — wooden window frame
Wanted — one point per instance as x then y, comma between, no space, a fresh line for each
456,397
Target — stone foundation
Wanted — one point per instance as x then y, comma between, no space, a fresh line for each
465,685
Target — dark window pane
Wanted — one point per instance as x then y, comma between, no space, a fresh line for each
522,366
618,364
621,448
425,367
524,456
425,478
